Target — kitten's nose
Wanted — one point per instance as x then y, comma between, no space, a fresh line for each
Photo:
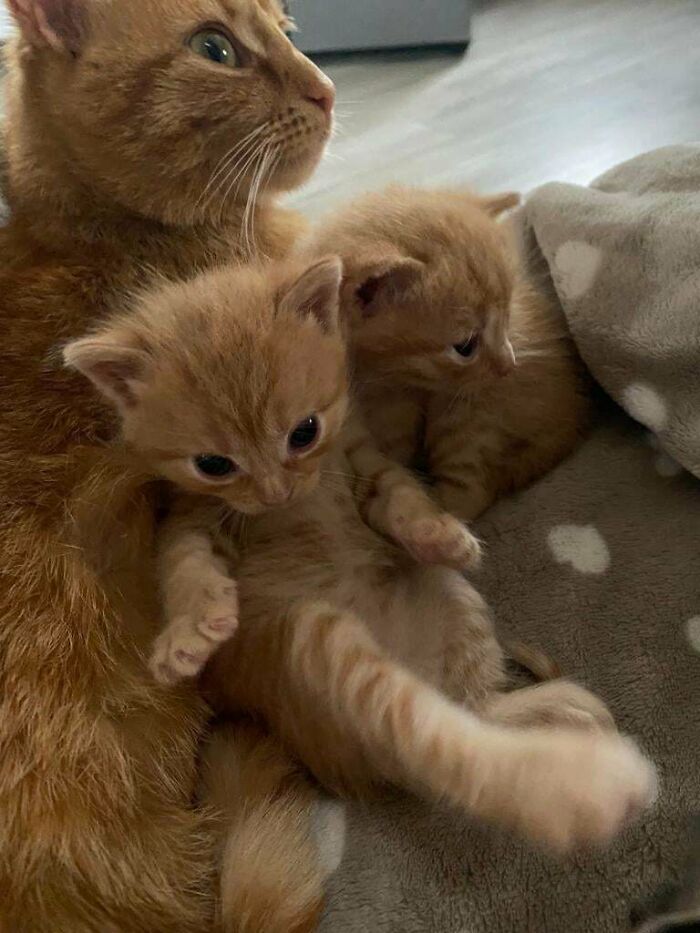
322,93
274,492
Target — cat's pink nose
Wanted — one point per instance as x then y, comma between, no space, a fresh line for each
323,95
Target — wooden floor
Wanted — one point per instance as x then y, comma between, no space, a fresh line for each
549,89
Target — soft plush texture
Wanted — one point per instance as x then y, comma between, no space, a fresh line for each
598,564
624,257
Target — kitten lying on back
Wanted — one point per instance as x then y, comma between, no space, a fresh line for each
455,351
358,657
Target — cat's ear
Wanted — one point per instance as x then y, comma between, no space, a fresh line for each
59,24
497,204
382,275
316,292
117,368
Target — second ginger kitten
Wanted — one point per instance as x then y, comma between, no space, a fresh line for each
460,362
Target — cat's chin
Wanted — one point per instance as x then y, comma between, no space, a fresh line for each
296,168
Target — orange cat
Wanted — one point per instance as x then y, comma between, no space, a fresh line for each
459,359
358,657
144,138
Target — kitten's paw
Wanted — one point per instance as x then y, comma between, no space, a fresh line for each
217,607
180,651
576,789
441,539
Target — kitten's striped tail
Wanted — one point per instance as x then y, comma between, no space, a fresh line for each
270,878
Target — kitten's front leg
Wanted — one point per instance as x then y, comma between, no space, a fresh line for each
462,460
200,596
395,504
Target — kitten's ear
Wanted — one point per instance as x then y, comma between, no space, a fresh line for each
497,204
59,24
316,292
384,274
118,369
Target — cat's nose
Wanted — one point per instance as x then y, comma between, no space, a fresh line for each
274,492
322,93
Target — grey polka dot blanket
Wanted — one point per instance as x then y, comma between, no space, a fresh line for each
599,564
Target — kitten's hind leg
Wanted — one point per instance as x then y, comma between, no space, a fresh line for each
557,703
200,596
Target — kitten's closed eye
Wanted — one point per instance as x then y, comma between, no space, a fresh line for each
214,466
467,348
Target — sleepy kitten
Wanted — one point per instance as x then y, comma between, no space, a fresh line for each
358,657
458,358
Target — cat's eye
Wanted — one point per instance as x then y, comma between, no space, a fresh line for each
304,434
213,466
467,348
215,46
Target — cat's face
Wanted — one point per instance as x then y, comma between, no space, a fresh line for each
429,287
175,108
232,385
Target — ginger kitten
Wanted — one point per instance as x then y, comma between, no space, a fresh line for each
371,664
459,360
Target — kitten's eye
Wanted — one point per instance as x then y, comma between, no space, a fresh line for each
304,434
467,348
215,46
214,467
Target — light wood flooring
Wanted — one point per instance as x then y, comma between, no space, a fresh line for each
549,89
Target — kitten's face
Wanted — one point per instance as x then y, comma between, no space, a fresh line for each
232,385
177,108
429,301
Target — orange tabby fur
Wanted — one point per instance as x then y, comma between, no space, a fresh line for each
369,665
114,130
424,271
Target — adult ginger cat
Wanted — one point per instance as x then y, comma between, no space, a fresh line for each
458,358
145,138
369,665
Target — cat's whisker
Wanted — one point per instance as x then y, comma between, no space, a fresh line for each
234,183
268,160
248,213
225,160
237,172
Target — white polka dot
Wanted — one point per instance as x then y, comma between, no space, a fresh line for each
645,405
582,546
328,827
692,630
667,466
576,265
